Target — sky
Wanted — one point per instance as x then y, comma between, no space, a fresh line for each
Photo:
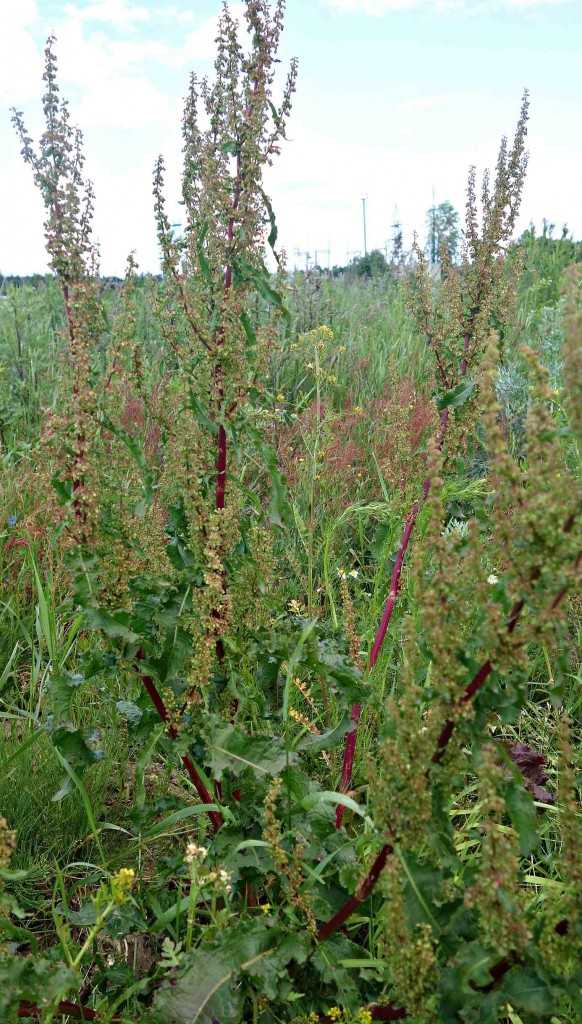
395,100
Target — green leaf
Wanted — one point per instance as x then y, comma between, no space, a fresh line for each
12,875
80,748
207,991
200,995
249,330
130,711
63,488
523,816
202,260
230,147
115,626
457,396
260,278
174,819
331,797
326,740
422,883
202,415
527,991
235,751
273,232
75,778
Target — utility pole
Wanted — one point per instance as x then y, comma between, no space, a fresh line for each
433,237
301,252
326,252
364,219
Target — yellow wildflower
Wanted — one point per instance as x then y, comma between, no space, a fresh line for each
122,884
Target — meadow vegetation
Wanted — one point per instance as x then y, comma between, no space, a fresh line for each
290,647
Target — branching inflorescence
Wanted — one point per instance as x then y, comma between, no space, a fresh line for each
58,167
455,318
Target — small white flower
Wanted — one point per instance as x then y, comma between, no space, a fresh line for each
354,574
492,579
342,574
194,852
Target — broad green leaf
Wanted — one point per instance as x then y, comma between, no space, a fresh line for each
184,814
457,396
235,751
202,260
326,740
273,232
330,797
63,488
129,710
115,626
422,883
249,330
527,991
523,815
207,991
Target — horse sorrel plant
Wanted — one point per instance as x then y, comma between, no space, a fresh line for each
213,884
454,317
58,165
217,267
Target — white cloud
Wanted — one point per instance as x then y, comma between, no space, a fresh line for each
20,60
376,8
18,16
117,13
129,107
200,44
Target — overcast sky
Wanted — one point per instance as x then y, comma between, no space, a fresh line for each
396,98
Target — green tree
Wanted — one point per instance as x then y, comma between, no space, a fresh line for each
442,231
397,256
373,264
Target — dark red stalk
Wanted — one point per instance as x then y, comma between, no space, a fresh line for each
70,1009
348,761
222,441
77,482
156,699
478,680
362,892
221,468
410,523
388,1012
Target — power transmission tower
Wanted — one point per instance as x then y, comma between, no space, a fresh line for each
300,253
324,251
364,219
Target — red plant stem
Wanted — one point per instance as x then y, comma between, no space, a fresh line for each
362,892
222,440
387,1012
348,761
486,669
77,482
410,523
156,699
221,468
394,584
478,680
70,1009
